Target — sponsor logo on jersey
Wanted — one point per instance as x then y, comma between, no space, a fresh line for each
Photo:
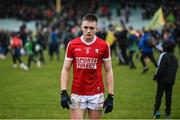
96,50
86,62
87,49
77,49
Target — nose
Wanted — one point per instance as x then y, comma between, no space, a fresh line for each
88,30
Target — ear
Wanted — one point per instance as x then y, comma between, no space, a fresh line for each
98,29
81,27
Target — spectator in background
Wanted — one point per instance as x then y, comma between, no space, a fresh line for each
146,45
68,36
54,44
29,46
102,33
165,77
39,43
105,11
176,33
121,36
23,34
16,44
132,46
166,35
111,39
4,43
125,12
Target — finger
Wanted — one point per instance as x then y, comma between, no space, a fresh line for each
67,105
64,104
108,109
69,101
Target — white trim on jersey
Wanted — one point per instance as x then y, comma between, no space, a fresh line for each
160,58
106,59
87,42
68,58
109,58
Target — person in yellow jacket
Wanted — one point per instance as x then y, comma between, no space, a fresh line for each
111,39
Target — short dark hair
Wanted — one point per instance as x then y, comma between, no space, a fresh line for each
89,17
168,46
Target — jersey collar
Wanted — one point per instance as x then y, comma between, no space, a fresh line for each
88,43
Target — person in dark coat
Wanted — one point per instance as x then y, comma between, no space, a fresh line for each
165,77
123,44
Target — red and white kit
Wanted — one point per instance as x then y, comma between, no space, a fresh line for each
87,65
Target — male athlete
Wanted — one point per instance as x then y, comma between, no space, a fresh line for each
87,54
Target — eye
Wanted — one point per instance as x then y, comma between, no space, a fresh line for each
92,28
85,27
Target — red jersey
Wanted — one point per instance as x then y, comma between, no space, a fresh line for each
87,65
16,42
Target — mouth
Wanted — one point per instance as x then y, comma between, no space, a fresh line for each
88,35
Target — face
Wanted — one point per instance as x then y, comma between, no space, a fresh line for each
166,36
89,29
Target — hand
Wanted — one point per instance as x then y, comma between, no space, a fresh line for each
108,104
65,99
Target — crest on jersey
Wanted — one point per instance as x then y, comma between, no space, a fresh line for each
96,50
87,49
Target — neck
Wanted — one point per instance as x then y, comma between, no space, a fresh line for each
88,40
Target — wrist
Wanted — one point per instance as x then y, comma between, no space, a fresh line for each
110,95
63,92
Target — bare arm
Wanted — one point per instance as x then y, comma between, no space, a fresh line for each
65,74
109,76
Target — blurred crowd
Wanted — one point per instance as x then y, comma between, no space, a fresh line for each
44,9
57,29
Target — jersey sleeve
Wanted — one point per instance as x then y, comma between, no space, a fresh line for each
69,52
106,55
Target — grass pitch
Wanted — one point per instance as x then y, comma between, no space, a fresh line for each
34,94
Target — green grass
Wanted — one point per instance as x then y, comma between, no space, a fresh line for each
35,93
